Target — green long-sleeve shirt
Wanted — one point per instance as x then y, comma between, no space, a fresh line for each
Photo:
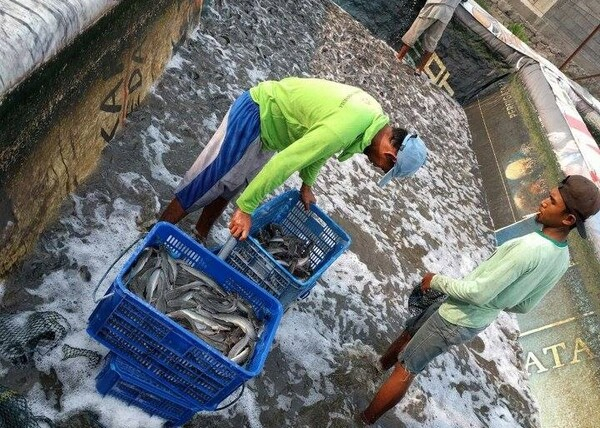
514,279
307,121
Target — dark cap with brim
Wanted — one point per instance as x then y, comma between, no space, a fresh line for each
581,197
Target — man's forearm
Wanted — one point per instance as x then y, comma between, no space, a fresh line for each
465,291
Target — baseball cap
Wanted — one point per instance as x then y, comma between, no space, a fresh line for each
581,197
412,155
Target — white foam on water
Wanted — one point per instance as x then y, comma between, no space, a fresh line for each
210,123
155,145
256,75
106,234
177,61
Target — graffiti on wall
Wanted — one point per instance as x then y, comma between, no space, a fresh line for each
125,95
558,355
509,102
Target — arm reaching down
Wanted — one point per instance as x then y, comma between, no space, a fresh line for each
307,196
316,146
240,224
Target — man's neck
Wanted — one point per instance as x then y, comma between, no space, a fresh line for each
556,233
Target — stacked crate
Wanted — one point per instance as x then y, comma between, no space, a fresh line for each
157,364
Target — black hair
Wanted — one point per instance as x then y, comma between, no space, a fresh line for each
398,136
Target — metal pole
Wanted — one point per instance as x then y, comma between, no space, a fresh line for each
227,248
591,76
579,48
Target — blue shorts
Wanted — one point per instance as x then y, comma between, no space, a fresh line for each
232,158
431,335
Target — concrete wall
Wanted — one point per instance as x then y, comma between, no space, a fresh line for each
574,21
566,23
54,124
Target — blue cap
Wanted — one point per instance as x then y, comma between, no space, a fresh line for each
411,156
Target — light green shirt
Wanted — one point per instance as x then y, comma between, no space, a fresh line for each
514,279
307,121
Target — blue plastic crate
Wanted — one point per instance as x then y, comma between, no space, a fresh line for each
251,259
130,384
148,339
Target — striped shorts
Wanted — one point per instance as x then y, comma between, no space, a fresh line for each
230,160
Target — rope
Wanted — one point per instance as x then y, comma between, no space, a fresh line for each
111,266
234,401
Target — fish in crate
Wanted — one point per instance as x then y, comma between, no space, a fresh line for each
220,318
289,250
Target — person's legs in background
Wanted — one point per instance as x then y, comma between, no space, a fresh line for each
423,62
209,216
173,213
409,354
409,38
431,37
402,52
432,335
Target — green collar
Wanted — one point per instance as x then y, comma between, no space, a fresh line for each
365,139
554,241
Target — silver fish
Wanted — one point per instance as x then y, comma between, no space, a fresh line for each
152,284
207,280
206,318
173,265
238,347
291,252
216,305
241,357
242,323
183,289
174,305
140,264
